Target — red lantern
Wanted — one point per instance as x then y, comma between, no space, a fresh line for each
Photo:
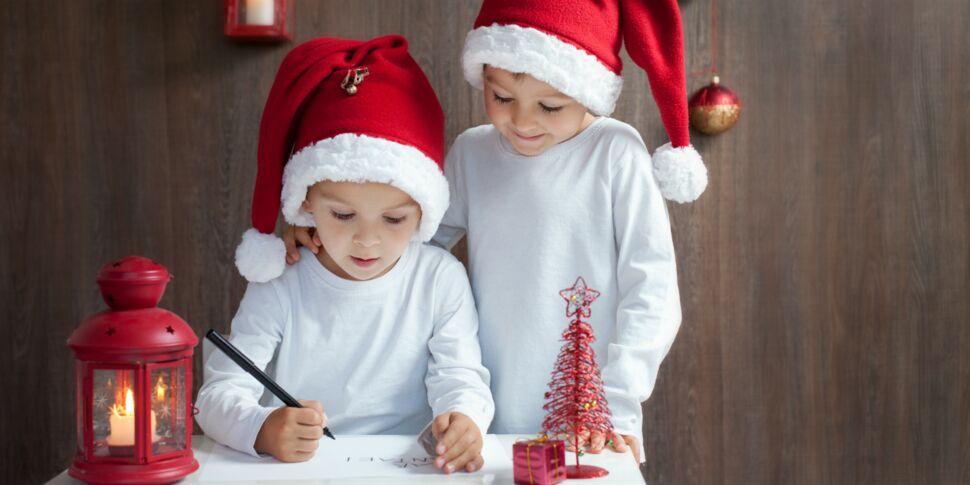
134,382
257,20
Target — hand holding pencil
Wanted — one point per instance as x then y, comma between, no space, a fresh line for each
293,431
292,434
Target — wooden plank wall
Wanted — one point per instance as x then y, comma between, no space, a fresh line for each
824,274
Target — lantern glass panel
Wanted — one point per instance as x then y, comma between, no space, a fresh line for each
256,12
113,412
79,406
168,407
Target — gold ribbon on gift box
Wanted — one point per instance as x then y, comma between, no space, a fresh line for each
542,439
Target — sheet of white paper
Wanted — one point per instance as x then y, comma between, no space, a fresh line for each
377,456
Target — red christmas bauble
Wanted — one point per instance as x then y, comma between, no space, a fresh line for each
714,108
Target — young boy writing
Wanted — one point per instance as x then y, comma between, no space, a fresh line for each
553,189
377,326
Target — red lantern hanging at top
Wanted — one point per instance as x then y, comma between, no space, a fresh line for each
133,382
257,20
714,109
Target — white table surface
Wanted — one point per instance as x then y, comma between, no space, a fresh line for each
623,470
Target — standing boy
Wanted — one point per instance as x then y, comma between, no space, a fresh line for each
553,189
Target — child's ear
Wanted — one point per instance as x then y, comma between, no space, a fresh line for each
306,206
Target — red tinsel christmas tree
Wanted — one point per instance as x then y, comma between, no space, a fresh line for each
575,401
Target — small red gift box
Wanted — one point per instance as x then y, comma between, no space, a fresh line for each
539,462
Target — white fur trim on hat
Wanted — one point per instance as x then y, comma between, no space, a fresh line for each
571,70
680,172
260,257
360,158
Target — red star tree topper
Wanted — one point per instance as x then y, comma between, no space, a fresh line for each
575,401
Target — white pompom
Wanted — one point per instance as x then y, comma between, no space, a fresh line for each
260,257
680,172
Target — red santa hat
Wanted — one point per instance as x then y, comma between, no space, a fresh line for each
574,45
343,110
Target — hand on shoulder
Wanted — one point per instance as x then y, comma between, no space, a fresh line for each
296,236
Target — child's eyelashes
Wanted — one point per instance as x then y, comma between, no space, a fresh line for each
342,216
547,109
346,216
550,109
501,100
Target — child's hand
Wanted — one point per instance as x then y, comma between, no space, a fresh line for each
292,434
572,442
621,442
305,236
459,443
595,442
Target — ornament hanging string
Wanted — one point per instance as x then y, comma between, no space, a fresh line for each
713,43
714,108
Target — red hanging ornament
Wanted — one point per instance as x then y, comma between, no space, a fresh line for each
714,108
575,402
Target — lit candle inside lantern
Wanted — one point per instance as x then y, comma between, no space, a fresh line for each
259,12
160,389
123,423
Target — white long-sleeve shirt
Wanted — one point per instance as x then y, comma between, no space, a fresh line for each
586,207
383,356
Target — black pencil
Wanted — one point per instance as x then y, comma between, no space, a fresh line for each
248,366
